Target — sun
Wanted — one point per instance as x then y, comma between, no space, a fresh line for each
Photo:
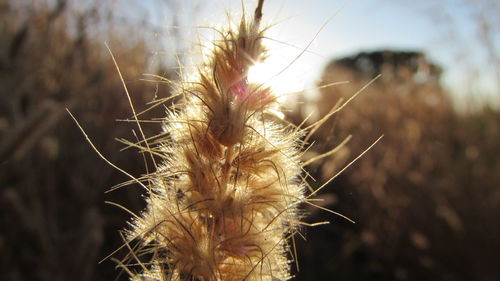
282,72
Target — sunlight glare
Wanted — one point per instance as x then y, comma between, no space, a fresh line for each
277,73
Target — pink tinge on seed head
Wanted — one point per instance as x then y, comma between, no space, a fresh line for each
240,90
253,95
258,97
243,251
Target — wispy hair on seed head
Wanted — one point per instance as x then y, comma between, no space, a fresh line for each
223,201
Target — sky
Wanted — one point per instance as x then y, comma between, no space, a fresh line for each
445,30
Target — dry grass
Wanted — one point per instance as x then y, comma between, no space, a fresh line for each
426,199
55,225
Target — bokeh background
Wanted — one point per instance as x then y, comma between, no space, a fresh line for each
426,199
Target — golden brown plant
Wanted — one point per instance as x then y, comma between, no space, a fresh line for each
223,201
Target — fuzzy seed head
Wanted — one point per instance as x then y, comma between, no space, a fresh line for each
224,201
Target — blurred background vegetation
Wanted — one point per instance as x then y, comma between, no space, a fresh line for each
426,200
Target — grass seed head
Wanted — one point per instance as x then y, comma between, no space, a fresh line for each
224,201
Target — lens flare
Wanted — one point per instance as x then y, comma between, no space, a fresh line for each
279,73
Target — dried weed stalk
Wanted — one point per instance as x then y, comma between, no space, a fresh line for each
223,202
224,199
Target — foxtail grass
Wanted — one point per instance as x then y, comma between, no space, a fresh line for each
223,202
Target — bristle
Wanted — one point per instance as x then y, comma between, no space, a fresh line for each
224,201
